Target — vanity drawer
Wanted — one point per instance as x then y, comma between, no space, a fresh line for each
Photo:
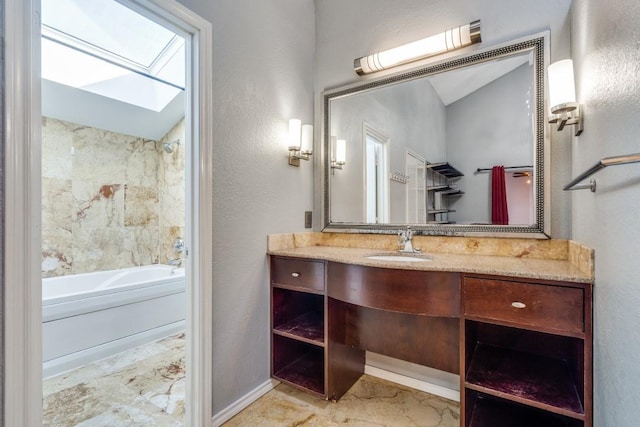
549,308
296,273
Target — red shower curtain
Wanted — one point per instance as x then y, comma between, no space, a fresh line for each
499,211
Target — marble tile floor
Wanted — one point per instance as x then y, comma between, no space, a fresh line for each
370,402
144,386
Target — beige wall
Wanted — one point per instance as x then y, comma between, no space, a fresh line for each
605,39
109,200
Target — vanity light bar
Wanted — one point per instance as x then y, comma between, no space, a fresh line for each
452,39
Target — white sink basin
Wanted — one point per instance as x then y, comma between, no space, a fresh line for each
401,258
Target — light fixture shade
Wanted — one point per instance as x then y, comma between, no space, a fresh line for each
455,38
341,151
307,138
562,90
294,132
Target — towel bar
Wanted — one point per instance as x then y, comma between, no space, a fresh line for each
607,161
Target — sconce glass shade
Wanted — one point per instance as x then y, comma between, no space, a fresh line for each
341,151
307,138
294,132
300,142
454,38
562,90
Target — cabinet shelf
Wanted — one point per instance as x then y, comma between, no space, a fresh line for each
307,373
492,412
308,327
527,378
298,289
439,211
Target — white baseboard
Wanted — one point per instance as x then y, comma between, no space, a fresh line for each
230,411
404,380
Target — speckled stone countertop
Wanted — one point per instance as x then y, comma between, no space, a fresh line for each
534,268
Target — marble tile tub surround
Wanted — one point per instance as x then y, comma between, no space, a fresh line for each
553,259
109,200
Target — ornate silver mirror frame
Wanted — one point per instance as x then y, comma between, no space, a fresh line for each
537,45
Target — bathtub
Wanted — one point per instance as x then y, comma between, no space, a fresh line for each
90,316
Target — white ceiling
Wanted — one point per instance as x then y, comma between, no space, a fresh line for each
89,109
125,74
455,85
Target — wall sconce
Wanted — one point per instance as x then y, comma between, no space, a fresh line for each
339,154
452,39
562,96
300,142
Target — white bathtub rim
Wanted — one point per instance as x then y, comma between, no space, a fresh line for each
75,360
101,289
172,273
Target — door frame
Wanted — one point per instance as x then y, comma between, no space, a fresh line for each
385,142
22,207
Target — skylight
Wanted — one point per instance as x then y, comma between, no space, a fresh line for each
105,48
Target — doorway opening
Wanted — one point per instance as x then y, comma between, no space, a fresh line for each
376,176
113,215
23,275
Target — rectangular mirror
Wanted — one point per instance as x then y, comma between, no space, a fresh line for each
426,147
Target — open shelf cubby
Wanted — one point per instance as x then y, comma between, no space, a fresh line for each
489,411
298,315
532,368
298,363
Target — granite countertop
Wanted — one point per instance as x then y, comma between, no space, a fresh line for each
545,269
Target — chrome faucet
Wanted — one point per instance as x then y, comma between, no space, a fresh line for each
178,247
405,241
176,262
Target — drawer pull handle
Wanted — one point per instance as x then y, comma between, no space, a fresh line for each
518,304
295,274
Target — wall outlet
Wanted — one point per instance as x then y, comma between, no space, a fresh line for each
308,220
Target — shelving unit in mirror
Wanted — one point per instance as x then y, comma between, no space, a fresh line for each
440,187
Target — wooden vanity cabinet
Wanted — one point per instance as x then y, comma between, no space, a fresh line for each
409,315
522,347
297,323
526,353
302,355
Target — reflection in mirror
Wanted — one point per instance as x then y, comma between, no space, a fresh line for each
455,148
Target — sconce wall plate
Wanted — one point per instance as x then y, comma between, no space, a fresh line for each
295,155
569,117
446,41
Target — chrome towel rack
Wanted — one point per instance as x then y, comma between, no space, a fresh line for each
607,161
